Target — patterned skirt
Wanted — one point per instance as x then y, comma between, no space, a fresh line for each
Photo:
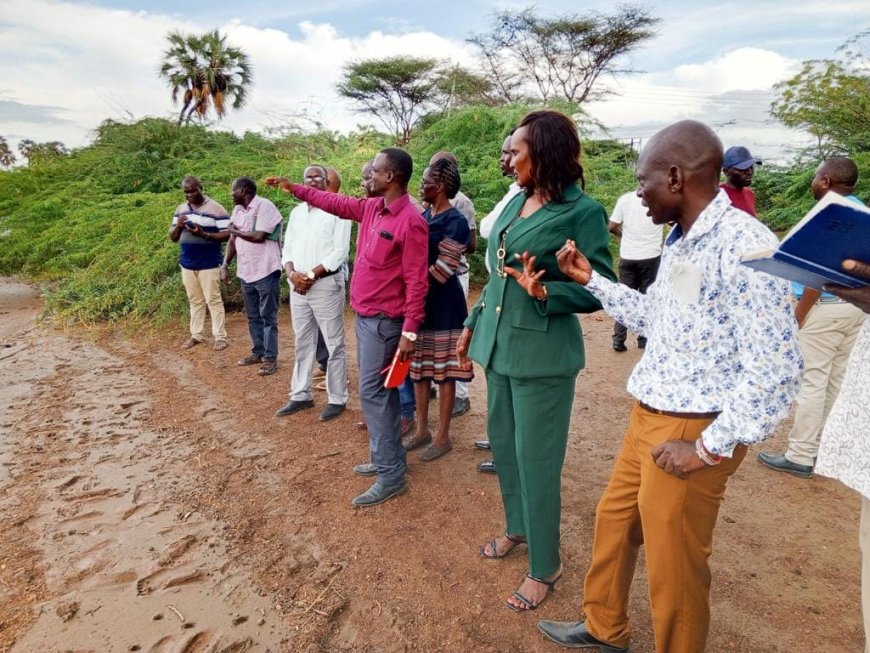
435,357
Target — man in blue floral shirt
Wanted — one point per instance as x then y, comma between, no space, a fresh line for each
721,368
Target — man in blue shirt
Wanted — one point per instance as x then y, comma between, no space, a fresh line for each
200,225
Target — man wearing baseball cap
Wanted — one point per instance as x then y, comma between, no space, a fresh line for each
738,167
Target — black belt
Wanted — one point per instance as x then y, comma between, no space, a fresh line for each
672,413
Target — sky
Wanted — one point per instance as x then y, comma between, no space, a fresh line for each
68,65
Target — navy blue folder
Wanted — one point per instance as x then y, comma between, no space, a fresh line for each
836,228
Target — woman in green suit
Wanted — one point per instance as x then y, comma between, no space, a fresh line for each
524,333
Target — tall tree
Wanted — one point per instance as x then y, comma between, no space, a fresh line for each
40,152
396,90
830,99
399,91
207,72
7,157
526,55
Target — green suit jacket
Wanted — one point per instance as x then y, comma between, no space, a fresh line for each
516,335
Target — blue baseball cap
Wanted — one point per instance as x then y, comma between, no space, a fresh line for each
739,157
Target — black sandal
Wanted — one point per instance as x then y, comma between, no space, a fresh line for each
551,586
515,540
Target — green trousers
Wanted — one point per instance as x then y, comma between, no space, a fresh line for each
527,425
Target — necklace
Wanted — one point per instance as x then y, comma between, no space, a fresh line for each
501,252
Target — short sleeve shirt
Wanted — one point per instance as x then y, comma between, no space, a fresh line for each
257,260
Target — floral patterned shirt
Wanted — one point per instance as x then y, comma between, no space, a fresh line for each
721,336
844,450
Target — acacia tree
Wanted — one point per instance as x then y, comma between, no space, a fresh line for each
525,55
207,72
396,90
7,157
830,98
399,91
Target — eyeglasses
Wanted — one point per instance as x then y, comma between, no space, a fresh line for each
314,178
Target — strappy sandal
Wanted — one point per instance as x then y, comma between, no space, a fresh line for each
412,442
515,540
526,603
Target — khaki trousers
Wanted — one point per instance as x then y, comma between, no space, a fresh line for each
826,340
864,541
674,518
203,289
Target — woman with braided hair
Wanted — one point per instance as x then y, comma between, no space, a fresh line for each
435,357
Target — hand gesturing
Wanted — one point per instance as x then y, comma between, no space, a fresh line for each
528,278
573,264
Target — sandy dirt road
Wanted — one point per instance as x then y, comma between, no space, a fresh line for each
150,501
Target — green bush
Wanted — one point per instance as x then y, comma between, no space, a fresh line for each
93,224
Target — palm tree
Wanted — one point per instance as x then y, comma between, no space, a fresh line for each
7,157
209,72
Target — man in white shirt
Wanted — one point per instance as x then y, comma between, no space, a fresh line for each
720,371
640,252
316,245
507,170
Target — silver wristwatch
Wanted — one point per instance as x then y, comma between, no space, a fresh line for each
410,336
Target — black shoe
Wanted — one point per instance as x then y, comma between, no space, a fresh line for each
483,445
292,407
487,467
331,412
619,346
573,634
461,406
783,464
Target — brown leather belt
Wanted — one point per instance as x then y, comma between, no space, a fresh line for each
671,413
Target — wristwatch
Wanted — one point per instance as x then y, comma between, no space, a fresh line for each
310,274
410,336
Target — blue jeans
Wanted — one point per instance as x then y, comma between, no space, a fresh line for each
406,398
261,307
376,342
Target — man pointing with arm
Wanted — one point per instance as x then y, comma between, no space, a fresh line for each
387,291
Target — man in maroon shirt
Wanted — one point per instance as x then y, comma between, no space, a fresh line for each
738,168
387,291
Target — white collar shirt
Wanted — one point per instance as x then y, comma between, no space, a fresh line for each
315,237
721,336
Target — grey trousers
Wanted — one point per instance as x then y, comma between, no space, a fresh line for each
376,342
321,307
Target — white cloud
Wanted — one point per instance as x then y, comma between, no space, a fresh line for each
99,63
732,92
743,69
89,63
